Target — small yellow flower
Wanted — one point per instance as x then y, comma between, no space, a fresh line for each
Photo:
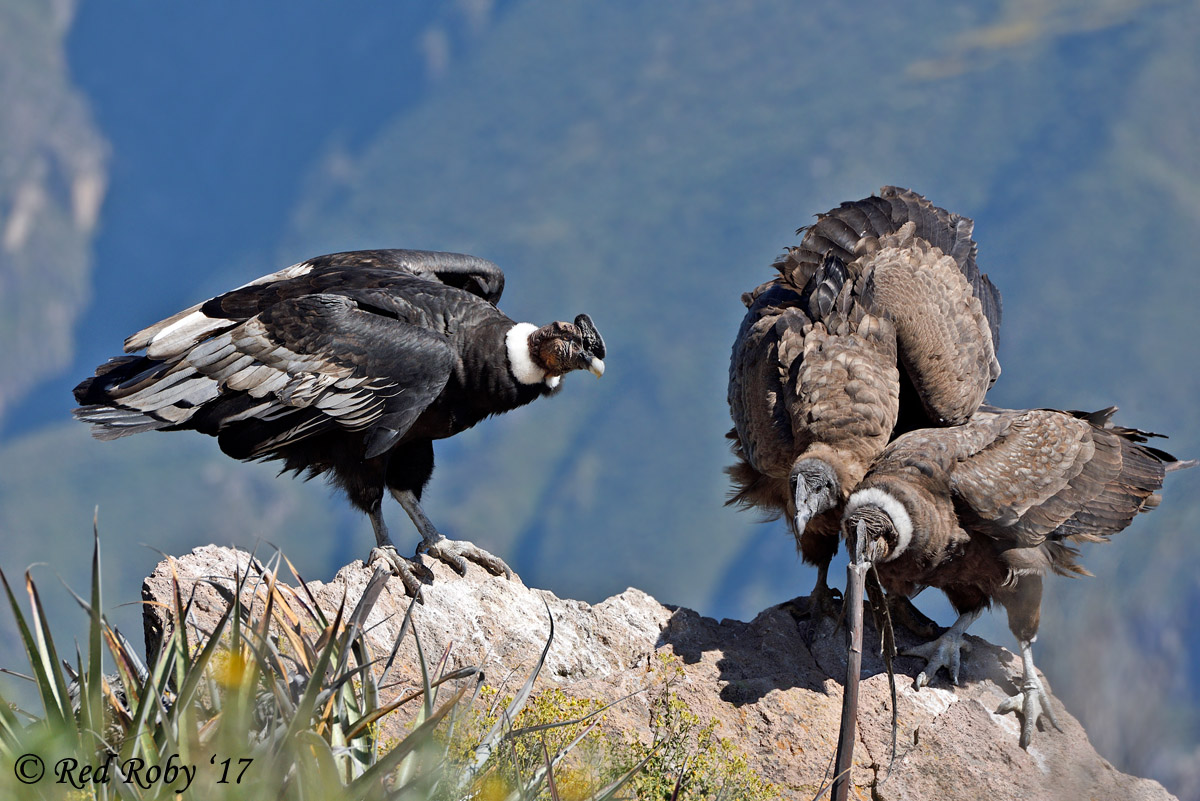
232,669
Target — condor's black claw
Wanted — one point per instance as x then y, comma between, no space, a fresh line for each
404,569
456,553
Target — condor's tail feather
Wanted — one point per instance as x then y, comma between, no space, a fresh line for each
112,422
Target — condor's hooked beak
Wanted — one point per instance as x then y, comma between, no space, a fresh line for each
856,575
804,513
593,344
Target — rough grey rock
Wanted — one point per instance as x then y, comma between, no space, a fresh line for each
777,698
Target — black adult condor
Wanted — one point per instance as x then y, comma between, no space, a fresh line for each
350,364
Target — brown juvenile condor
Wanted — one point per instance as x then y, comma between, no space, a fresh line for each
878,322
350,364
982,511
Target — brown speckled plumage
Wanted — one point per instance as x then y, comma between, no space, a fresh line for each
983,511
1004,499
882,296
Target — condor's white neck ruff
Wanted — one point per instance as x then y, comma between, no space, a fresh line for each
874,496
520,358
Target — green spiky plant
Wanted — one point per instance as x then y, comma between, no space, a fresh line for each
276,702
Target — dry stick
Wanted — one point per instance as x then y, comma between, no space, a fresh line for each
887,648
855,579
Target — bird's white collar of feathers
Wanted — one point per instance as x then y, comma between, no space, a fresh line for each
874,496
520,360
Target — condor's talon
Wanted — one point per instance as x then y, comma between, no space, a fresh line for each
824,604
404,569
456,553
944,652
1032,702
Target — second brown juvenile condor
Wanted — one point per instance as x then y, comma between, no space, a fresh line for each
878,322
984,510
349,365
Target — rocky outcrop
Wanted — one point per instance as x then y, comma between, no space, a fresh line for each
777,697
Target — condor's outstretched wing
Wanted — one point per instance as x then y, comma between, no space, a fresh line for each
1034,480
943,337
850,228
304,365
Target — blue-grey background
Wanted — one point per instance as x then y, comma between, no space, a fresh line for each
640,162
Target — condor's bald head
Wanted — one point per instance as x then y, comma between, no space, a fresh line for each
544,355
876,525
559,348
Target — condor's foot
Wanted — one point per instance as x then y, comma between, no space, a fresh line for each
456,553
1032,702
824,604
406,570
944,652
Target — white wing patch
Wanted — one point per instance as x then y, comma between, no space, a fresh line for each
182,334
244,358
175,335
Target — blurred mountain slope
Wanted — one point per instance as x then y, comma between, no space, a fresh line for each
213,500
53,177
646,169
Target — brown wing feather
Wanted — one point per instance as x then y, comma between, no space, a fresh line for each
1052,476
1015,482
937,452
763,430
948,321
950,233
841,384
944,339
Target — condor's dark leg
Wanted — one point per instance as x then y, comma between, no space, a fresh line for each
384,551
1024,605
905,612
818,546
363,482
408,472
